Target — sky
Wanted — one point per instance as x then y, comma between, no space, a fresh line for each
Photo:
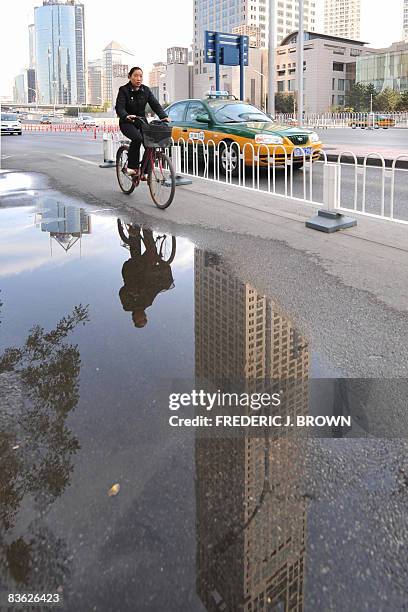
170,24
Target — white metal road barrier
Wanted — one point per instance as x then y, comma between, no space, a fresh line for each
352,120
362,189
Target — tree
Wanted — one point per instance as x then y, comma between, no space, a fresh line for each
403,102
284,103
355,96
359,97
45,370
371,93
386,101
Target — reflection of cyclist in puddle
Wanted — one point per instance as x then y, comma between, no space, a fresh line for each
144,274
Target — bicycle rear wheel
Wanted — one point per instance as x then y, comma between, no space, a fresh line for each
126,182
166,247
162,180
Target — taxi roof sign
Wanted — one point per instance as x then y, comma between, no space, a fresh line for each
219,95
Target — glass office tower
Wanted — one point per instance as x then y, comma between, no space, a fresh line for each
55,46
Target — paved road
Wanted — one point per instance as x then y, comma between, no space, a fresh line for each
344,295
85,147
394,138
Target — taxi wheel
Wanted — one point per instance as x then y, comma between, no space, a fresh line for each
229,158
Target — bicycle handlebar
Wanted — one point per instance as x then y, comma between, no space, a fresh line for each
143,119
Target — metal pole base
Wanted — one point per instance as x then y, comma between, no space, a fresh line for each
182,180
330,221
108,164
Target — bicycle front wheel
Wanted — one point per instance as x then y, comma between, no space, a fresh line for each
126,183
162,180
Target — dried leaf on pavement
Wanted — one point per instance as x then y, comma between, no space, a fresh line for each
114,490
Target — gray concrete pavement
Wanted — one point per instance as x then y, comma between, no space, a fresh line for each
348,290
345,293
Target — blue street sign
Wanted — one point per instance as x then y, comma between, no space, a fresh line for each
226,49
229,48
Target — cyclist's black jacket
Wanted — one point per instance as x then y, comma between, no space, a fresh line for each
133,102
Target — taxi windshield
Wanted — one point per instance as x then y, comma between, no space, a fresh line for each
237,112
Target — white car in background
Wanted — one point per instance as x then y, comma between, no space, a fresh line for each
85,121
11,124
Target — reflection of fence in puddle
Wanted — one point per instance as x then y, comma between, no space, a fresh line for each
65,224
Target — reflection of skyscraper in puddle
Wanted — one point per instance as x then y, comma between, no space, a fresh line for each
66,224
250,516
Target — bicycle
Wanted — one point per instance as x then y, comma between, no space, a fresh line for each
161,177
165,245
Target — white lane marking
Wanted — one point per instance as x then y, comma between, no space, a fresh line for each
85,161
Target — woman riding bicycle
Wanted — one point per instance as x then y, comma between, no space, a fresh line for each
130,107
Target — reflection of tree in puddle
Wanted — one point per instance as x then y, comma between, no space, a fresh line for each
251,516
39,386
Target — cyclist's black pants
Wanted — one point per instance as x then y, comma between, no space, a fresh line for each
135,135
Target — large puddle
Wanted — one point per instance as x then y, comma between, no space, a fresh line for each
98,319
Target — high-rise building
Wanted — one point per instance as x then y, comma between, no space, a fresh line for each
250,518
60,52
31,80
31,86
159,68
342,18
31,46
95,82
405,20
253,33
80,51
216,16
20,88
177,55
66,224
115,54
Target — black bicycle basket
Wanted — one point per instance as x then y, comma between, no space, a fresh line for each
156,134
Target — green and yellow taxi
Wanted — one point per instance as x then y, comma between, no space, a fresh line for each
375,121
241,128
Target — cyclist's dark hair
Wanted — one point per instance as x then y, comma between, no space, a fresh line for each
131,71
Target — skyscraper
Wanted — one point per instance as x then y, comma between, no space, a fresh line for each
342,18
31,79
251,520
224,17
60,52
177,55
405,20
80,51
116,62
20,88
31,46
156,72
95,82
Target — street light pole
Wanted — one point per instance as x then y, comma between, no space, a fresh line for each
271,58
300,40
